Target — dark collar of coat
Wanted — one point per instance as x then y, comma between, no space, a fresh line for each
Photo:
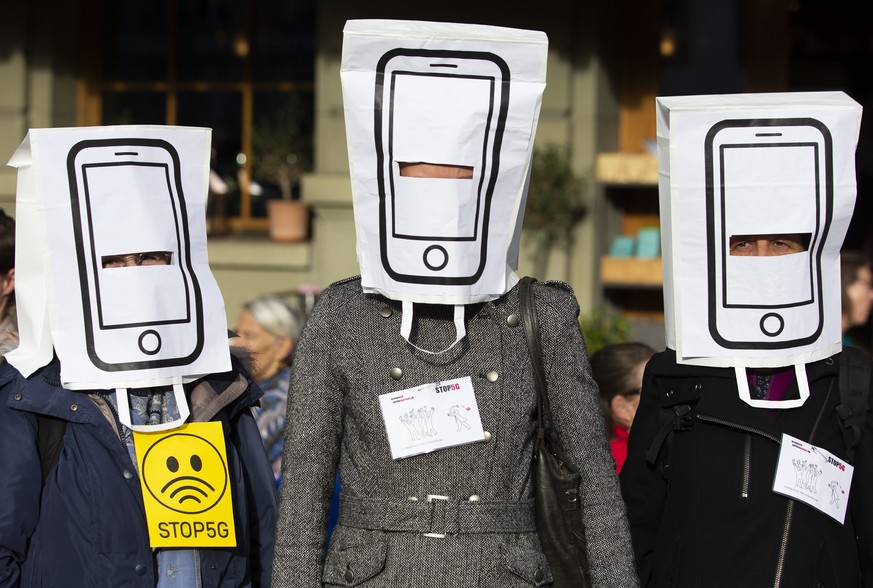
664,365
714,391
42,393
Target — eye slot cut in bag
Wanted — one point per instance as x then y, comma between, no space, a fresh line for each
556,483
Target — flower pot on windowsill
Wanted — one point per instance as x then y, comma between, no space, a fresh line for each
288,220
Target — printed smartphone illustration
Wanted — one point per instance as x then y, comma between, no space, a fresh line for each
769,178
127,200
446,108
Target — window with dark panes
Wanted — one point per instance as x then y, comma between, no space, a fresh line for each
242,67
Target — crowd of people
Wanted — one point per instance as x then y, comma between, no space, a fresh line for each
308,469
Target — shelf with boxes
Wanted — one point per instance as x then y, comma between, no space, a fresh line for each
628,242
628,202
630,272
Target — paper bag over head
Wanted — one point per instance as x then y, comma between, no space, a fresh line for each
734,169
464,99
112,272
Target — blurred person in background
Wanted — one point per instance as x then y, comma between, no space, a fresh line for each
8,322
618,370
857,292
268,327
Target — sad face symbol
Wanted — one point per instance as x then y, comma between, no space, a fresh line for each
185,473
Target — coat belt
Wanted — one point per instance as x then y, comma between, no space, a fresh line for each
438,516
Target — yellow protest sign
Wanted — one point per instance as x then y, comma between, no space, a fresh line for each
186,486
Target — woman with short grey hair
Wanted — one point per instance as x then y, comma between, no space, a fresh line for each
268,327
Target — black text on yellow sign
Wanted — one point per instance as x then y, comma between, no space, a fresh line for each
186,486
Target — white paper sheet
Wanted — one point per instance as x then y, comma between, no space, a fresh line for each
430,417
814,476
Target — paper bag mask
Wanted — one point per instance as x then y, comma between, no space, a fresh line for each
737,167
465,96
112,270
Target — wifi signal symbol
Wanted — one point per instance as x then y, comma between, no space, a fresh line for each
184,487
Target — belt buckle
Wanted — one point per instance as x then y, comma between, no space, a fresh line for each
431,498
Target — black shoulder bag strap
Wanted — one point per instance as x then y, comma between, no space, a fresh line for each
854,384
560,527
49,442
531,323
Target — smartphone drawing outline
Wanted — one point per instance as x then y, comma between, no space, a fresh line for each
776,322
141,340
435,251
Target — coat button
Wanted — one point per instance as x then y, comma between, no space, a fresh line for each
127,474
474,498
386,311
492,376
539,575
140,570
17,397
698,386
669,393
396,373
74,407
487,436
512,320
349,576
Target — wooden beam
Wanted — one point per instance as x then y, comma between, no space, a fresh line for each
640,73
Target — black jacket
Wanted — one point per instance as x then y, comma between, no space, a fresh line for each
705,514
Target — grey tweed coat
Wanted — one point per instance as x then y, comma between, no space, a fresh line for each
347,357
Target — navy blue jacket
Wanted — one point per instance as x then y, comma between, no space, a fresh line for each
86,526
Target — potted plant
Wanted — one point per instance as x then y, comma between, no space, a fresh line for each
555,203
281,153
601,330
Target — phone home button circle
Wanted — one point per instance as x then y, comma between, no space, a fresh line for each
150,342
772,324
435,258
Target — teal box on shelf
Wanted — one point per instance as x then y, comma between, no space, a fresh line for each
649,243
622,246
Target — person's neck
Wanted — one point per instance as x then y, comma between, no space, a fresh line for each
269,374
768,371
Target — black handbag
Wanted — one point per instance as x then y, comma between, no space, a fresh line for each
556,483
